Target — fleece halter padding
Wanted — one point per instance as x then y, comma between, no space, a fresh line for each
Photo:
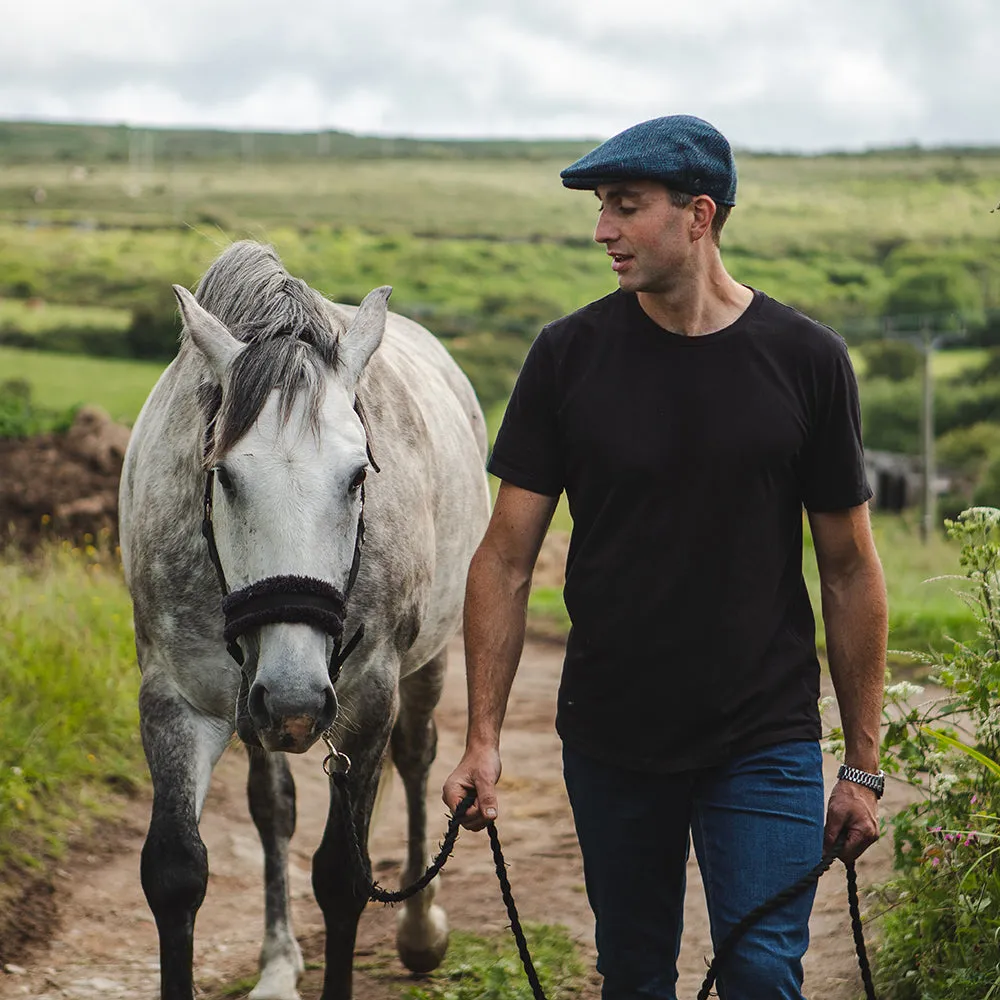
284,599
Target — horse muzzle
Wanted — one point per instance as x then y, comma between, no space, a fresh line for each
278,712
280,730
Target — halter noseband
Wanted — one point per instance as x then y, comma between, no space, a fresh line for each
285,598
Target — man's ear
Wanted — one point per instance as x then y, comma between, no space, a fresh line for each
703,212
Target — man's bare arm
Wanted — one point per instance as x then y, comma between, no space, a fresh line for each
855,615
496,602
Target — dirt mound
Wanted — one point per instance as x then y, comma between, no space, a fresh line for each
63,485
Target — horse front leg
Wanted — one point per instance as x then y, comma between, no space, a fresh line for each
341,866
422,927
182,746
271,794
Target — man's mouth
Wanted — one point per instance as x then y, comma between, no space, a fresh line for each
619,260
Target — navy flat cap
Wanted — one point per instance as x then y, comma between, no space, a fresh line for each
683,152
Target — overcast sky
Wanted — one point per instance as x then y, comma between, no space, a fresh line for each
772,74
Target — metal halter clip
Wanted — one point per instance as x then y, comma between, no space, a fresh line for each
335,762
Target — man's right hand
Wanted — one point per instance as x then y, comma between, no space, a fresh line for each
479,772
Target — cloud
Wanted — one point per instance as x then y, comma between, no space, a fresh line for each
773,74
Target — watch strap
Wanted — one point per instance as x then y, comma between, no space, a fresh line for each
876,782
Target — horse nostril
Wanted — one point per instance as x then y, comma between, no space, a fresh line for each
257,706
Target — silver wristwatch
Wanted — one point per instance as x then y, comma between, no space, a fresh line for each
876,782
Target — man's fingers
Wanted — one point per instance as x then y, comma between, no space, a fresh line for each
855,840
484,807
487,802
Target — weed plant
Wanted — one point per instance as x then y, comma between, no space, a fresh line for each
478,968
941,912
21,416
68,684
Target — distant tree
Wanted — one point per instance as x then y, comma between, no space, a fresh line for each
934,288
895,360
154,332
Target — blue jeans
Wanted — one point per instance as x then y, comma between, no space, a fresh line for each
757,825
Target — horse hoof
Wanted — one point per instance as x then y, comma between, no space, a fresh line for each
422,939
279,977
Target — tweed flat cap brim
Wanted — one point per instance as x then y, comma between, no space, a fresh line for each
681,151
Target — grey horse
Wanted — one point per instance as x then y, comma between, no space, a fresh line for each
267,427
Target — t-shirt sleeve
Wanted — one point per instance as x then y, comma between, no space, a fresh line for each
527,451
833,467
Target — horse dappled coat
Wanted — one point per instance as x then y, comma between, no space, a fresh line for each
267,391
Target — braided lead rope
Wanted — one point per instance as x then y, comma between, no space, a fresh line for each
859,936
372,889
515,920
375,892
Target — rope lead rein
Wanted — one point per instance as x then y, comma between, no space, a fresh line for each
375,892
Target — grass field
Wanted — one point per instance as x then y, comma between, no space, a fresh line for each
68,717
59,381
38,317
804,202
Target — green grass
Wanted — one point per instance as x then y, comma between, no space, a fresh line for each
60,381
826,234
923,609
39,317
474,968
478,968
68,684
809,203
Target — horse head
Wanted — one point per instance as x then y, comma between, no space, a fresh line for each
286,459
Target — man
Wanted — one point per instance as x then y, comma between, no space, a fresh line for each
689,419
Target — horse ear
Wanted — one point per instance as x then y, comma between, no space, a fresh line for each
364,334
210,336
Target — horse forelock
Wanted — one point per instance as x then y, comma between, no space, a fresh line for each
291,344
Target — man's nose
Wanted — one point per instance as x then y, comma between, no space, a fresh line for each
605,231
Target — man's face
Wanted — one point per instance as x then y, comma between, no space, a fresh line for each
647,237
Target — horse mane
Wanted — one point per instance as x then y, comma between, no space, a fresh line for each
291,344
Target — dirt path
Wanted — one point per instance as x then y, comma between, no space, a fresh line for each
106,944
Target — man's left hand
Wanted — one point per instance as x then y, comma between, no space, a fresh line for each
853,809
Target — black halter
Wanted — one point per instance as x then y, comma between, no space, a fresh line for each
285,598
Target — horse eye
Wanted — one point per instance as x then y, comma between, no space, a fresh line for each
224,478
359,478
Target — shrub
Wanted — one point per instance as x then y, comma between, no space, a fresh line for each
941,930
895,360
987,491
21,417
934,288
890,412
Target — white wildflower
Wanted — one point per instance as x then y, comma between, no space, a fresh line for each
903,691
988,727
826,703
941,784
986,516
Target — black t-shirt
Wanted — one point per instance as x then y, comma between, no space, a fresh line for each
686,462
